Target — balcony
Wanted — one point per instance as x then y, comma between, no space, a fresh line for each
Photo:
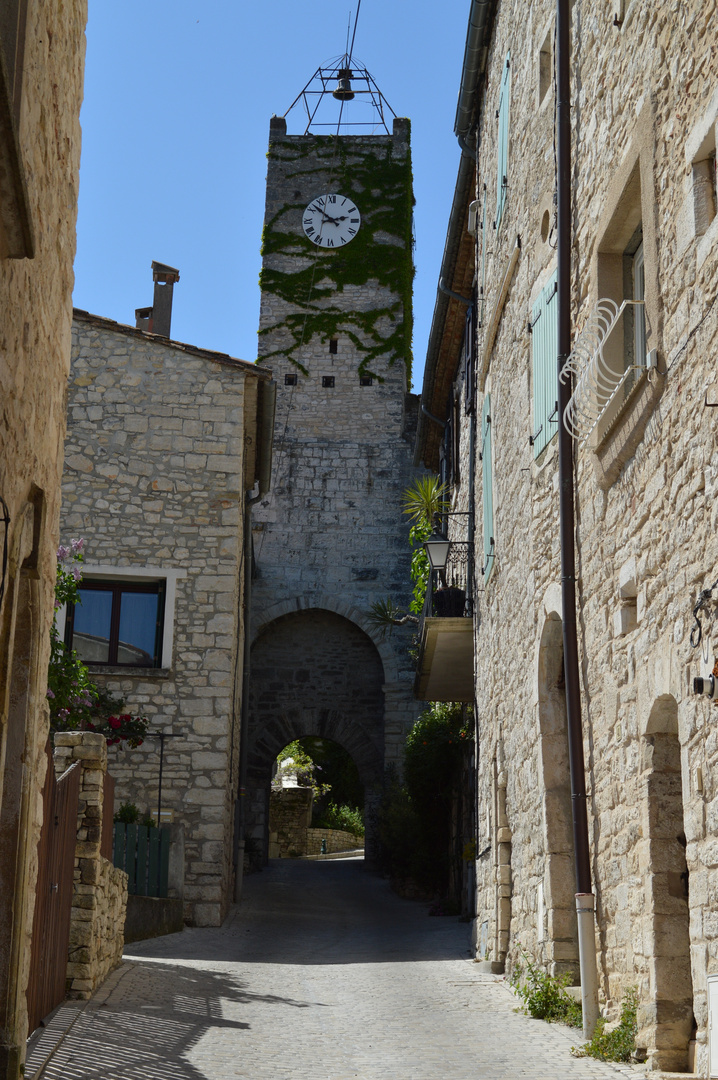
445,668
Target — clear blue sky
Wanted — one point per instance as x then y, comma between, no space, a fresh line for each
175,123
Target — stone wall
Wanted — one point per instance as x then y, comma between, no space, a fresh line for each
154,482
99,899
40,152
290,815
336,840
646,520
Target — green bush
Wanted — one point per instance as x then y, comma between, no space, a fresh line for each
545,996
128,814
347,818
616,1045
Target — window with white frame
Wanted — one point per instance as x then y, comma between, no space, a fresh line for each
125,617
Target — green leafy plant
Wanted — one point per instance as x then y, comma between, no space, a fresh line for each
76,703
127,814
544,995
414,818
619,1043
347,818
421,501
294,761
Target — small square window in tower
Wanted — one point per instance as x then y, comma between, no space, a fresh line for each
290,379
365,380
328,380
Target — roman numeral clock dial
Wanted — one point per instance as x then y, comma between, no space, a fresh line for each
331,221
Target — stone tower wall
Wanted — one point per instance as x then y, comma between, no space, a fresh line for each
330,536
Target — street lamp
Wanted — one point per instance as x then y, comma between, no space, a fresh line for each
437,550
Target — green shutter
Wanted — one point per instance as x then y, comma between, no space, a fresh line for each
488,559
503,140
544,340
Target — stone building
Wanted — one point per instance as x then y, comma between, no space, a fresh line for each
644,108
166,443
42,49
335,326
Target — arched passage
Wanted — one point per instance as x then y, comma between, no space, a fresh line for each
556,916
313,672
666,1018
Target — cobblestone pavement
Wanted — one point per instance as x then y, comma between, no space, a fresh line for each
320,974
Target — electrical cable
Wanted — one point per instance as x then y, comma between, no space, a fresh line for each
692,333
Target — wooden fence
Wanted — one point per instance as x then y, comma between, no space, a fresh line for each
144,854
53,900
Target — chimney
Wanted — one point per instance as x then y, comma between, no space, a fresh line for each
157,319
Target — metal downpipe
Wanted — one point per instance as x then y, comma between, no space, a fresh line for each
584,892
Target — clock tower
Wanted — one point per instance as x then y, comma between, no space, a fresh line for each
331,540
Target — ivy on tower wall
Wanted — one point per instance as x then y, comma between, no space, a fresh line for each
380,180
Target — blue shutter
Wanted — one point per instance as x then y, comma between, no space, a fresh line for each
503,140
488,495
544,340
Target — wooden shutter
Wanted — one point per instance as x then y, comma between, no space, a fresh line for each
470,359
544,341
488,495
503,140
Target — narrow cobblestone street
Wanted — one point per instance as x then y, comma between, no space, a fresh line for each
321,974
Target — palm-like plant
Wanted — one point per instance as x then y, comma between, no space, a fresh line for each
424,498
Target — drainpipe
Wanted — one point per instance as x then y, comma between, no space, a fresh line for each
585,904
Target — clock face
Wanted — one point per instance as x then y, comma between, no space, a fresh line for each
331,221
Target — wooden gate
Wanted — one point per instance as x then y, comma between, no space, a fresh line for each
53,898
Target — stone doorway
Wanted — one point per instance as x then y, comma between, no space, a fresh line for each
665,1016
313,673
556,908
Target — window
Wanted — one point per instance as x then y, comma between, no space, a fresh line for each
333,345
365,380
290,379
488,495
621,275
544,353
118,623
502,114
328,380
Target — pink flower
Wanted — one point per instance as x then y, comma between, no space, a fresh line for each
114,722
50,694
76,546
62,553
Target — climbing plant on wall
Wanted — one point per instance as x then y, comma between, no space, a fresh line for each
380,253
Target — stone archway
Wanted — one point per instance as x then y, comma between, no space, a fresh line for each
666,1018
556,914
313,672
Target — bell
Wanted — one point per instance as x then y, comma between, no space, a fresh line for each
344,90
